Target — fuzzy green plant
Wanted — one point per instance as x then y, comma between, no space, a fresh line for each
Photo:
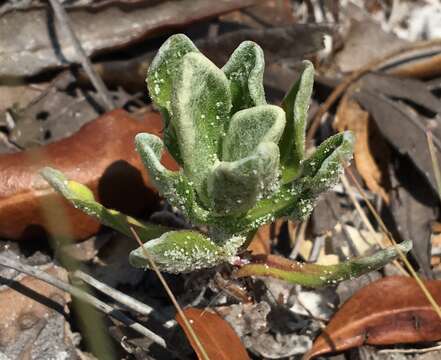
242,160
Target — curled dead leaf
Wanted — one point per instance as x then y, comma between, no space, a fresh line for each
215,334
100,155
389,311
350,116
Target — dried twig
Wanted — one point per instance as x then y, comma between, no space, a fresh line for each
64,21
410,351
366,221
357,206
122,298
83,296
435,164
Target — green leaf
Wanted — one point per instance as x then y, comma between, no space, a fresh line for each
313,275
200,108
296,105
170,138
245,69
323,169
183,251
174,186
165,68
82,198
296,200
234,187
250,127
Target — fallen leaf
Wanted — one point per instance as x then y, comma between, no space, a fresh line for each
216,335
100,155
104,29
314,275
414,91
422,64
389,311
326,214
413,209
361,34
261,243
404,128
350,116
294,42
268,12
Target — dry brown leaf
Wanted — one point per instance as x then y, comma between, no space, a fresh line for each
271,12
216,335
100,155
389,311
261,243
350,116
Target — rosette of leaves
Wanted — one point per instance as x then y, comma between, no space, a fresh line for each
242,160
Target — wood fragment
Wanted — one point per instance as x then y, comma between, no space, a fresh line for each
96,80
83,296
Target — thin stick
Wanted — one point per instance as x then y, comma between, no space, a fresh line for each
435,164
64,21
400,253
411,351
360,211
83,296
354,76
171,295
365,219
122,298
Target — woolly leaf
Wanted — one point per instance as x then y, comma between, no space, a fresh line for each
313,275
245,69
285,202
170,138
249,127
174,186
234,187
183,251
165,68
325,166
201,107
296,105
82,198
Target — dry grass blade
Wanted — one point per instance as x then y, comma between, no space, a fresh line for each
154,267
366,221
392,240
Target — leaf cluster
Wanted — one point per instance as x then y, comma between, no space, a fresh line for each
242,160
